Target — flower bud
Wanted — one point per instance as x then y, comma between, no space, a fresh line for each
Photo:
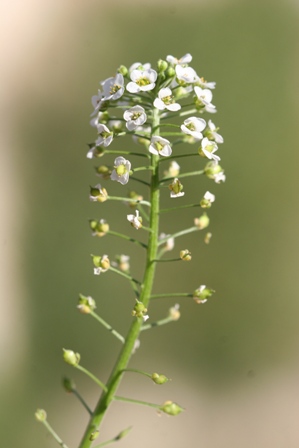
159,379
99,228
41,415
207,237
139,310
176,188
185,255
86,304
123,70
101,264
135,196
170,72
174,312
162,65
201,294
103,171
171,408
94,435
123,433
207,200
202,222
173,170
68,384
169,243
98,193
71,357
122,263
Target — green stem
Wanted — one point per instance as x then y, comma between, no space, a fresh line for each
138,371
128,238
94,378
82,401
165,210
116,198
54,435
179,156
159,260
193,173
123,274
177,234
148,279
175,294
107,326
139,180
131,400
158,323
139,154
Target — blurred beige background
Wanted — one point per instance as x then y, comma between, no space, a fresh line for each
233,362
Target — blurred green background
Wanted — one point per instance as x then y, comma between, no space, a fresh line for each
233,362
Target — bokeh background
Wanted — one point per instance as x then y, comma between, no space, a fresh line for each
234,361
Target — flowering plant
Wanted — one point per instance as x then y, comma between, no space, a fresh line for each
139,102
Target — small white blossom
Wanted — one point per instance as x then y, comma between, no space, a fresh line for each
213,134
193,126
205,84
97,101
139,66
209,148
142,80
165,100
91,152
209,196
160,146
176,189
98,194
205,96
219,177
183,60
113,87
121,171
104,265
135,220
169,243
186,74
173,170
105,136
135,117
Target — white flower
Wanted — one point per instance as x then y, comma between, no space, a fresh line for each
139,66
183,60
219,177
165,100
176,189
104,265
91,152
113,87
160,146
173,170
142,80
135,117
121,171
193,126
105,136
135,220
97,101
169,243
209,148
186,74
204,97
213,134
209,197
98,193
205,84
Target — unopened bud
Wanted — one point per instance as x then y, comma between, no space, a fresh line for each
123,433
159,379
123,70
162,65
86,304
68,385
201,294
202,222
174,312
41,415
207,237
185,255
103,171
71,357
140,310
171,408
